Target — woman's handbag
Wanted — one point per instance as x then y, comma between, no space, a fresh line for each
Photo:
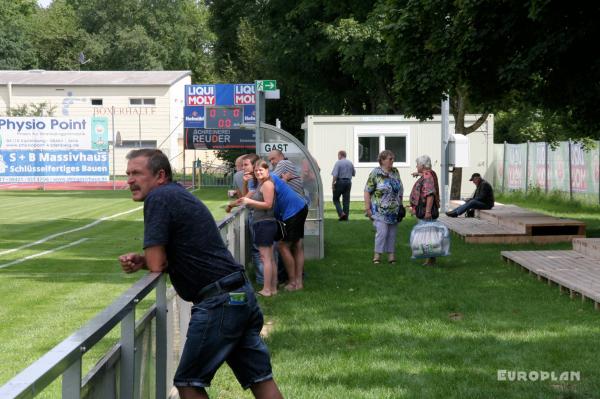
401,213
420,211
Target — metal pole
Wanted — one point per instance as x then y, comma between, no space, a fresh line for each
113,148
258,111
527,168
504,167
260,114
570,174
140,129
162,357
127,381
546,166
444,175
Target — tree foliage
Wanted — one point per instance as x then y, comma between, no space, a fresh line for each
520,60
16,52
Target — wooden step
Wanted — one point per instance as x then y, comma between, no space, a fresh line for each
544,225
589,247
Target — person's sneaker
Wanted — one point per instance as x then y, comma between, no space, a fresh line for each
343,217
451,214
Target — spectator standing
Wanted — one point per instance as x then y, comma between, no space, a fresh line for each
483,197
249,186
292,210
425,193
285,169
238,177
264,224
204,272
383,200
343,171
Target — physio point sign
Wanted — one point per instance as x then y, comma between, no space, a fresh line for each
48,149
47,133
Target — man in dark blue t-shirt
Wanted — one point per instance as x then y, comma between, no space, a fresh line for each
182,239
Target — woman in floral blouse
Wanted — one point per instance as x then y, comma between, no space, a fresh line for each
383,200
426,192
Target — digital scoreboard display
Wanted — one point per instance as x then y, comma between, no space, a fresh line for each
225,117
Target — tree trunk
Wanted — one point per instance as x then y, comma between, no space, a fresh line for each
458,111
456,184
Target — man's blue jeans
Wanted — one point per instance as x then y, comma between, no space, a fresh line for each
470,204
342,188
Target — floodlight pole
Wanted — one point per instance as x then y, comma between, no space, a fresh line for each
260,114
444,176
113,148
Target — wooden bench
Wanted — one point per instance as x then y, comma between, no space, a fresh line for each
510,224
575,271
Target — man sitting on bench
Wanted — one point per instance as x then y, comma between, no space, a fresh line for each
483,197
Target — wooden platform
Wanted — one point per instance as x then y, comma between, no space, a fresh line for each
510,224
575,271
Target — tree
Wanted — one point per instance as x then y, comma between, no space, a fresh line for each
58,38
33,109
306,46
16,52
485,52
149,34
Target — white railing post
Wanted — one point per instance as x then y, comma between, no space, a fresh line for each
128,355
71,380
161,338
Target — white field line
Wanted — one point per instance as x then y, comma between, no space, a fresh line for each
14,262
87,226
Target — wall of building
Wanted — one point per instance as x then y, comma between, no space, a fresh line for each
326,135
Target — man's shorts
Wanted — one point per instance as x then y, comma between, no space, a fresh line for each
225,328
294,226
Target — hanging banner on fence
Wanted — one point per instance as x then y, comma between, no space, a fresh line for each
539,163
595,169
219,139
53,166
515,158
579,173
558,159
49,133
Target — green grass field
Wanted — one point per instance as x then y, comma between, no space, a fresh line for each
356,331
52,288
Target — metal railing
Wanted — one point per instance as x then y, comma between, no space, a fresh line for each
147,353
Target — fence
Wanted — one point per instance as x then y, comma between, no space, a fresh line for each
567,167
142,363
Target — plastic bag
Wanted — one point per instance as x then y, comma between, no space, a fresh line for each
430,240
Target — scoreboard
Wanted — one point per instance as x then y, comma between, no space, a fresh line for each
223,117
219,116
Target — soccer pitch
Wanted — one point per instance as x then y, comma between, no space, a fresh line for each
59,268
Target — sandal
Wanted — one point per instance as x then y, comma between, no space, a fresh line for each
290,287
